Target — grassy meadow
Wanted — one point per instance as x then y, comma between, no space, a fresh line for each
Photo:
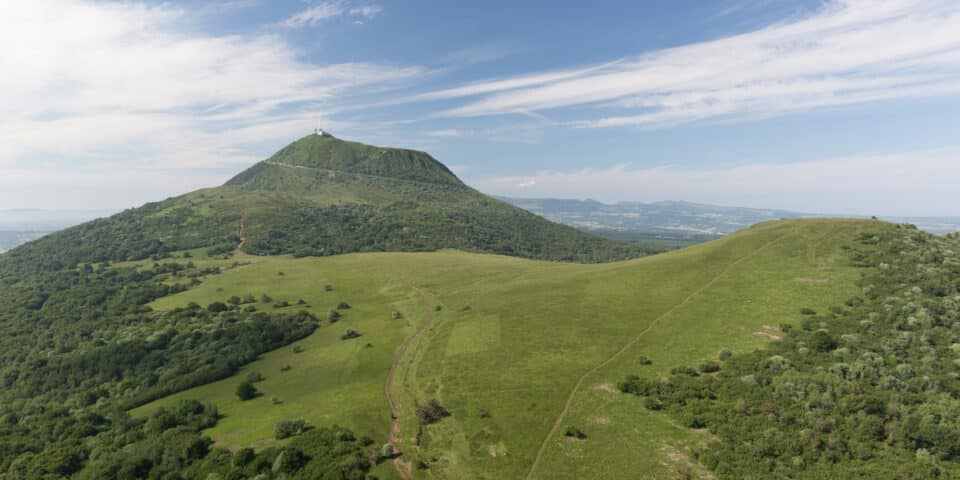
517,350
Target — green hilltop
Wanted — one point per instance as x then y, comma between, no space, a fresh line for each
322,196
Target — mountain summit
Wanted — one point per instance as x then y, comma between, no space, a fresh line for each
316,160
323,196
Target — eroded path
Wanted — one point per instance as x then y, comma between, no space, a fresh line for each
401,464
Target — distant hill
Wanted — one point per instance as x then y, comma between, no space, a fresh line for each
673,218
684,220
323,196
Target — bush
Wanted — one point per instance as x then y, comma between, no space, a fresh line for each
396,315
290,428
217,307
709,366
387,451
645,361
574,432
246,391
431,412
343,306
297,349
333,316
328,288
652,403
724,354
350,333
808,311
254,377
266,298
822,341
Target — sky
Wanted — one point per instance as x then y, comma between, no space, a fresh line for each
827,106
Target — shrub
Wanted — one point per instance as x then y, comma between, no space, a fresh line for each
254,377
266,298
343,306
645,361
328,288
235,300
350,333
286,368
387,451
281,304
275,400
574,432
290,428
822,341
709,366
483,413
724,354
396,315
430,412
217,307
246,391
297,349
808,311
333,316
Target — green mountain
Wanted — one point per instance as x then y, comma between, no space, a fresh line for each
323,196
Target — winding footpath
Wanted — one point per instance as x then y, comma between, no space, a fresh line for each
401,465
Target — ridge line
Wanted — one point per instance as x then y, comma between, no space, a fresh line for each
630,344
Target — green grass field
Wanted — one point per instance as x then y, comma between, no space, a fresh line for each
537,345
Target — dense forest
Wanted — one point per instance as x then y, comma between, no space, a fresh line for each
869,389
78,347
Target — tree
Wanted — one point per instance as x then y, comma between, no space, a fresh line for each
246,391
333,316
217,307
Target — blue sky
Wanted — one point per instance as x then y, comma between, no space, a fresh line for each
835,106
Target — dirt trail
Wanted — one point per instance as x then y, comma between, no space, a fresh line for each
404,466
243,239
631,343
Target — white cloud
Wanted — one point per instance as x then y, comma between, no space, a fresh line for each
316,14
849,51
366,11
914,183
85,81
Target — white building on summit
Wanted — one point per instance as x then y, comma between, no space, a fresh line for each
321,132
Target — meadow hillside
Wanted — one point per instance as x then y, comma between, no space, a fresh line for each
519,350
